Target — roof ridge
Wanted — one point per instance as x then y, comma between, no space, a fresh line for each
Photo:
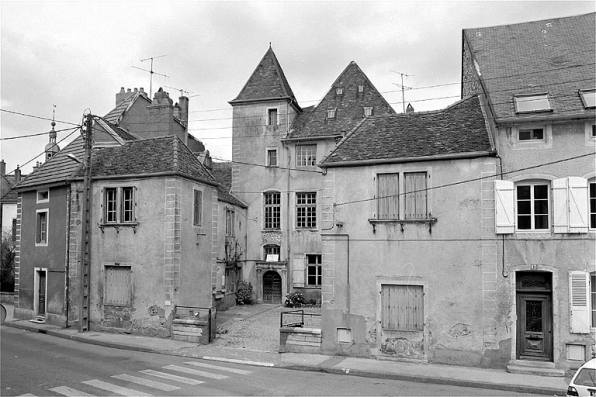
533,21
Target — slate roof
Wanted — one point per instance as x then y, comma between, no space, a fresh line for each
116,114
223,173
457,129
11,195
148,156
266,82
313,123
554,56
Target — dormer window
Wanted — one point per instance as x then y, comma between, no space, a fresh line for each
330,113
368,111
588,98
339,91
360,89
532,103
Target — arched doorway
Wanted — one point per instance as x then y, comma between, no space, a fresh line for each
271,287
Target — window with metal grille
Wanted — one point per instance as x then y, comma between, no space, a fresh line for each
198,208
532,206
41,227
313,269
272,208
306,210
118,286
402,307
388,196
415,206
306,155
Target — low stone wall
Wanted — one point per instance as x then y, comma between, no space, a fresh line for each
195,331
299,340
7,298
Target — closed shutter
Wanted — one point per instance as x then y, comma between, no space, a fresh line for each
504,207
118,289
402,307
415,189
578,205
298,271
579,317
560,206
388,196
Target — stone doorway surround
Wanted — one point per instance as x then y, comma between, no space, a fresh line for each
281,268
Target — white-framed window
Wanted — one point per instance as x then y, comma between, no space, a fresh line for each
118,285
271,157
588,98
272,117
331,113
306,210
271,252
581,302
592,195
531,134
368,111
306,155
119,205
230,222
314,270
593,299
41,227
43,196
532,206
361,89
197,208
339,91
272,209
532,103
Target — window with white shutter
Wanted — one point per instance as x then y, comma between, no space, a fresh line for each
298,271
560,206
504,205
578,205
579,316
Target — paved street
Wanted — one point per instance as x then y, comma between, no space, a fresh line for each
42,365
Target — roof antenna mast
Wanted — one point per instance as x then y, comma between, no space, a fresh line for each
403,88
151,72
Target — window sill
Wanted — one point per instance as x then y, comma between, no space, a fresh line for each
429,221
117,226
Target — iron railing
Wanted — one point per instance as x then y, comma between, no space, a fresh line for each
298,318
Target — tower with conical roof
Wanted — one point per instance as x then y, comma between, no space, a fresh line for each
52,147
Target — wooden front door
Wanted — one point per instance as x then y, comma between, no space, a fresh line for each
271,287
534,317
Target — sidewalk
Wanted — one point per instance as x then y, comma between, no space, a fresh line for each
426,373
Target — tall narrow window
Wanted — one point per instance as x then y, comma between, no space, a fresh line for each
110,205
272,116
272,157
230,221
41,233
388,196
306,210
592,205
532,206
272,210
415,195
127,204
198,208
593,298
314,272
306,155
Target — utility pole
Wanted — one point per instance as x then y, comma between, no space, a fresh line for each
85,271
403,88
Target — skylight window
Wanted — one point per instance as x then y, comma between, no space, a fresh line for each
532,103
588,98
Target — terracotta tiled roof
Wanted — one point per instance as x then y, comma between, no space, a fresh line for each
266,82
223,173
457,129
115,115
554,56
349,106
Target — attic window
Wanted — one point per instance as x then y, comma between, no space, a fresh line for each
588,98
339,91
368,111
360,89
532,103
330,113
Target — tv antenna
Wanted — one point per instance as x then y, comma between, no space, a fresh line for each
182,92
403,88
151,73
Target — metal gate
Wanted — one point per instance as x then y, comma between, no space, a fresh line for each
271,287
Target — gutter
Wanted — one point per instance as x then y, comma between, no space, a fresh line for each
455,156
137,176
312,138
550,118
283,98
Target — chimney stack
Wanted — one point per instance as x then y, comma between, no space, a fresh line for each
410,108
183,102
17,175
2,168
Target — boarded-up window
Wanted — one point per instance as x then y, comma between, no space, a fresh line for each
415,195
118,286
402,307
388,196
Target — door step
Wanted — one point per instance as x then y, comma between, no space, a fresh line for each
540,368
38,320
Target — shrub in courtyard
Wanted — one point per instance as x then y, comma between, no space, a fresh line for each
294,299
244,293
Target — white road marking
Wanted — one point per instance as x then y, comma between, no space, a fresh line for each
67,391
123,391
146,382
195,372
211,366
176,378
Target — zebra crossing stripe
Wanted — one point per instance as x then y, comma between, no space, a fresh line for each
146,382
195,372
123,391
67,391
210,366
176,378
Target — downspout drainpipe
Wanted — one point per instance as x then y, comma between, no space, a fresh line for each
67,265
502,236
348,289
289,249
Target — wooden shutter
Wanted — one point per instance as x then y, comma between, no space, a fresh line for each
298,271
578,205
560,206
118,286
388,196
504,207
402,307
415,189
579,295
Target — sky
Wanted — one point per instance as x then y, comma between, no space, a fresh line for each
72,57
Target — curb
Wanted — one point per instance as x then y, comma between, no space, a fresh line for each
311,368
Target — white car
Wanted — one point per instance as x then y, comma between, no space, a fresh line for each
583,382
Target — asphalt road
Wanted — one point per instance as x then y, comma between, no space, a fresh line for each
41,365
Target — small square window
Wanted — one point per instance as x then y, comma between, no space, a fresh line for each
43,196
339,91
531,134
272,157
532,103
330,113
588,98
